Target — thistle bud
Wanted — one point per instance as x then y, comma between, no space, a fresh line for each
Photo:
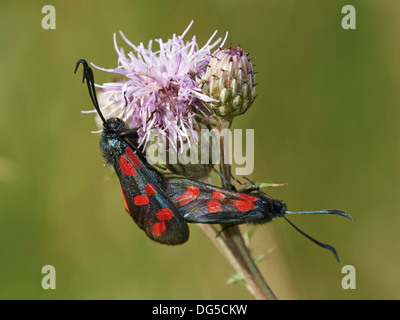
230,79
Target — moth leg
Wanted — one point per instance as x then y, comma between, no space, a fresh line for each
250,189
251,185
223,228
158,166
231,186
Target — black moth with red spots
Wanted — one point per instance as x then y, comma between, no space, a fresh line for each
142,185
203,203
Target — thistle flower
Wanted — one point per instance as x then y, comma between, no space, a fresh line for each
230,80
161,91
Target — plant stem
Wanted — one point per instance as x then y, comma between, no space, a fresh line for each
232,245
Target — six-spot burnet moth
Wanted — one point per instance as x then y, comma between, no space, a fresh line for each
199,202
162,206
142,185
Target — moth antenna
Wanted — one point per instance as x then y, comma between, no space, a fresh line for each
321,244
335,212
89,77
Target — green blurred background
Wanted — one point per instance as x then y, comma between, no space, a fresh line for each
326,121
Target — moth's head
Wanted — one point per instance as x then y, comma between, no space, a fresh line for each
279,207
114,125
276,207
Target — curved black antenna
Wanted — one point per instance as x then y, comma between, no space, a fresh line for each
336,212
88,76
321,244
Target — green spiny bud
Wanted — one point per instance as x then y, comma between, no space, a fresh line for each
230,79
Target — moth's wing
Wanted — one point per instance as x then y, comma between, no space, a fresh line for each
203,203
146,201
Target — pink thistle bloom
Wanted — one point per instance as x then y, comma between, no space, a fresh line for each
162,90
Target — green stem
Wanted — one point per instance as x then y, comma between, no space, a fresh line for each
232,245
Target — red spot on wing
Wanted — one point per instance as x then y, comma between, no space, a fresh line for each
182,199
126,167
213,206
158,228
247,197
243,205
191,193
218,195
134,159
150,189
141,200
165,214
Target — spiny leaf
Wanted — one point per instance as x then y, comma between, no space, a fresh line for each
259,258
247,235
236,278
